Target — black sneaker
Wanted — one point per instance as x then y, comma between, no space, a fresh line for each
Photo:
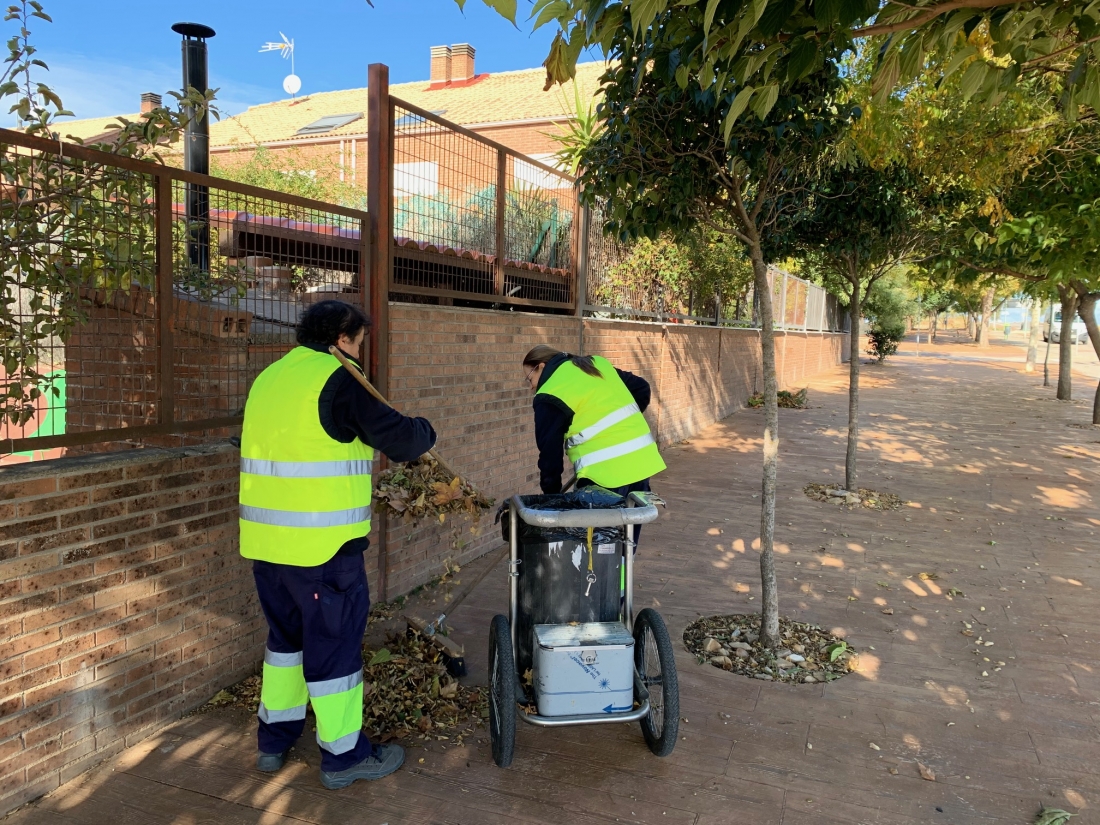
386,760
270,762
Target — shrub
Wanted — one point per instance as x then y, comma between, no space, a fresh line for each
884,338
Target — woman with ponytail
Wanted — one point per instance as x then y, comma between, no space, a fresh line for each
594,411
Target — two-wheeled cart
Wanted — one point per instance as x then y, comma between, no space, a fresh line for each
571,651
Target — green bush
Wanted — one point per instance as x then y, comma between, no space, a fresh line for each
884,338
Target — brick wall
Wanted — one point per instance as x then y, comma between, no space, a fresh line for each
123,604
461,369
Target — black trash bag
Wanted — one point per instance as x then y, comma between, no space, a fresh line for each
555,563
586,498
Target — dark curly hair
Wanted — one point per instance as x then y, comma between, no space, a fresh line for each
324,323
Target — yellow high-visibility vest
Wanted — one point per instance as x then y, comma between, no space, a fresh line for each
303,494
609,441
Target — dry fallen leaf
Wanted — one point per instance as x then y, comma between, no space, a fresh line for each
926,772
889,611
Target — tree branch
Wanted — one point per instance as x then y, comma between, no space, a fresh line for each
930,13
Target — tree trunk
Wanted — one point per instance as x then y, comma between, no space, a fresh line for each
769,591
1086,309
971,326
1065,343
935,327
1033,335
1046,355
855,305
987,320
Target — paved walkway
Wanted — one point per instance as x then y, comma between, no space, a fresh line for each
1000,480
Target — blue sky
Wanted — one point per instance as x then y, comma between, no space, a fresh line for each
104,53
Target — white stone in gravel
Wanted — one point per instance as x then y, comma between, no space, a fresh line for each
794,657
711,645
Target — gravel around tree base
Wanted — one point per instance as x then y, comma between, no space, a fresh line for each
808,654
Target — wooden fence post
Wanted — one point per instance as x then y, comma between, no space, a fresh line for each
380,218
166,390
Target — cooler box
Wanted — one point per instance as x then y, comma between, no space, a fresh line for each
583,668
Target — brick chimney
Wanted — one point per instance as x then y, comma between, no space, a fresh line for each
441,65
462,62
149,102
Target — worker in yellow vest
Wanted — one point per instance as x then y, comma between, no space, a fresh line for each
595,411
307,450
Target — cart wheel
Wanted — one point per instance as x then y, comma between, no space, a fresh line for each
657,669
502,692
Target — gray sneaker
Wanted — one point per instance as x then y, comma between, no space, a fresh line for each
386,760
270,762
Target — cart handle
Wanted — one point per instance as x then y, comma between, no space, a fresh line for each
644,513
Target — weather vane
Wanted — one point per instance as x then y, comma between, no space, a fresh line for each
291,83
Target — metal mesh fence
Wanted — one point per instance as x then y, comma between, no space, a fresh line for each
476,221
141,301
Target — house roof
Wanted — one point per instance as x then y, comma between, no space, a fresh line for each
492,98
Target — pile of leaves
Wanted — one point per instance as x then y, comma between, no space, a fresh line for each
788,400
808,654
864,497
408,692
244,695
423,489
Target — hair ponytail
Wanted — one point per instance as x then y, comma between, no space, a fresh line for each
543,354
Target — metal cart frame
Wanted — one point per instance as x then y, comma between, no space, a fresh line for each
641,511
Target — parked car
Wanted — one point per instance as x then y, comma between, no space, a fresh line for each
1080,333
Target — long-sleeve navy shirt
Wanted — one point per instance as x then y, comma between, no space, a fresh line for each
553,418
347,411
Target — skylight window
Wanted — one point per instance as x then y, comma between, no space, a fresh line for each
328,123
415,120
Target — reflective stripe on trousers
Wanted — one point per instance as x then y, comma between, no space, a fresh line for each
617,451
294,518
306,469
608,420
338,706
283,694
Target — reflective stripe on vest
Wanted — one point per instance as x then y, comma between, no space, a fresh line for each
584,435
292,518
306,469
303,494
608,441
608,453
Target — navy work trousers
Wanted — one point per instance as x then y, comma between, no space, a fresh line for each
319,615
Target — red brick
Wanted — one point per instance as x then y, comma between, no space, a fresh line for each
91,479
126,525
92,587
29,603
28,488
25,528
38,506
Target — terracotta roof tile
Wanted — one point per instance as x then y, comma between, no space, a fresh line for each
495,98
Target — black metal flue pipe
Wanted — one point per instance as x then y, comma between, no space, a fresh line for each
196,144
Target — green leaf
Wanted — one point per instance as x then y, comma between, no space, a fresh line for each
548,10
886,77
505,8
643,13
802,59
960,57
736,108
826,12
383,655
973,79
776,14
763,103
708,16
682,76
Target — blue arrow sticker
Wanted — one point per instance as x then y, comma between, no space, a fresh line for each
612,709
